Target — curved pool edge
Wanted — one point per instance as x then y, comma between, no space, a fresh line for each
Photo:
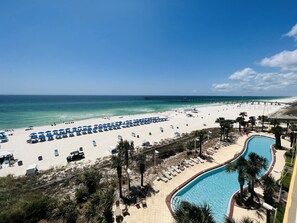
231,202
232,199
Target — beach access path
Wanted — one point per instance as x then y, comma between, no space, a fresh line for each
179,121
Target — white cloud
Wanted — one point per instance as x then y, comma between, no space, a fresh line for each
286,60
260,82
243,75
222,87
292,32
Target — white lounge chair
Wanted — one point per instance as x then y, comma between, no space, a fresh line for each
160,177
200,160
176,169
156,190
194,160
212,150
173,173
166,175
190,162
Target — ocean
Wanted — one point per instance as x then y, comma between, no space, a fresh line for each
20,111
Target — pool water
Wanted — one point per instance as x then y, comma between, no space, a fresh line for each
216,187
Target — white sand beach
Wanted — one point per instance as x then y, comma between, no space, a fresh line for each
178,121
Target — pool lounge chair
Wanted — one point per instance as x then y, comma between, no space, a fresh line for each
212,150
194,160
156,190
164,179
180,167
189,162
200,159
176,169
166,175
172,173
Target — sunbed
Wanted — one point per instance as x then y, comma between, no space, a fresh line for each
176,169
166,175
163,178
200,160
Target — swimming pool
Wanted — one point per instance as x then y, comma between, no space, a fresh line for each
216,187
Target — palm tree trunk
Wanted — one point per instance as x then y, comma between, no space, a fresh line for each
200,145
241,193
142,179
267,216
120,187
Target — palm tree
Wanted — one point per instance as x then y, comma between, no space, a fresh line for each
201,136
254,166
269,189
263,119
243,114
252,120
243,220
240,166
221,121
240,120
190,213
126,147
141,163
117,163
228,124
277,130
91,180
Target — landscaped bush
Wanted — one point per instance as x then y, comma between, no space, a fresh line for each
82,194
180,148
166,154
286,182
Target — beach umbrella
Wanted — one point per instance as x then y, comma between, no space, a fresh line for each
40,133
48,131
89,126
34,137
32,134
67,129
79,127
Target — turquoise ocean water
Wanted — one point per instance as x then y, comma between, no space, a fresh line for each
19,111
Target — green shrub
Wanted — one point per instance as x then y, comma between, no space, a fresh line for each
190,145
82,194
180,148
286,182
166,154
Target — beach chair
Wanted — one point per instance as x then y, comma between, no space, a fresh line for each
176,169
156,190
194,160
180,167
200,160
212,150
189,162
166,175
160,177
172,173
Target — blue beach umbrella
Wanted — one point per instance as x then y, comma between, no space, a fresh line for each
48,131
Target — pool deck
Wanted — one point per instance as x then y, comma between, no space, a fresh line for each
157,210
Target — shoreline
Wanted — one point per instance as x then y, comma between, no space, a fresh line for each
181,107
178,122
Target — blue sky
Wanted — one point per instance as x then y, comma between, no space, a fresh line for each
168,47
